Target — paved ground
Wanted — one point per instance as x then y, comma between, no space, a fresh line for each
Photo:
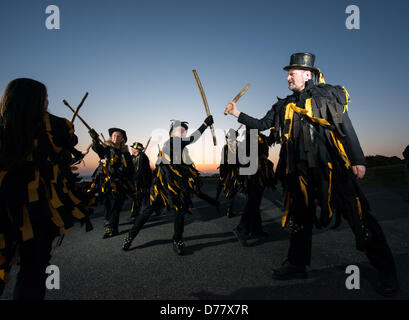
215,266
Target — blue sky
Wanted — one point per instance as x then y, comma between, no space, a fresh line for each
135,60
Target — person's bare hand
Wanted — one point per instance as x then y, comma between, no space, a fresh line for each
232,109
359,171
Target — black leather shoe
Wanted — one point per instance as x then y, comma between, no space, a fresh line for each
289,271
241,237
230,213
179,247
126,244
387,285
109,233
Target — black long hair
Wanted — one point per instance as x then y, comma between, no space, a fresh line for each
21,114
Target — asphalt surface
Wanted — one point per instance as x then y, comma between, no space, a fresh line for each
215,266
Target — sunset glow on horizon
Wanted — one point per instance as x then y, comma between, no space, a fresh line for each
135,58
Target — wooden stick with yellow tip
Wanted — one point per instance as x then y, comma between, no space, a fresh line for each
205,103
236,98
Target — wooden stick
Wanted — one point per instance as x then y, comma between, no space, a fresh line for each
147,144
79,107
82,120
236,98
199,84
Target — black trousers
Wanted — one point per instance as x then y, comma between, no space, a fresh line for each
250,222
141,198
230,200
107,207
136,205
34,257
377,249
230,204
113,207
179,222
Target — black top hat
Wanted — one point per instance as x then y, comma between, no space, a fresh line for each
302,60
112,130
178,123
137,146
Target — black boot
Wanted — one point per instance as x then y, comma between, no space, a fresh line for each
289,271
109,232
241,237
178,247
230,213
126,244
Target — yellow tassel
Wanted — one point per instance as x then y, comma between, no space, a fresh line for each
303,186
77,213
287,209
289,114
171,189
341,150
308,112
358,203
55,200
167,157
32,188
4,276
175,171
177,184
329,188
346,99
321,79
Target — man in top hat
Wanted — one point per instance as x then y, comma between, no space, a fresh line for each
143,177
320,162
